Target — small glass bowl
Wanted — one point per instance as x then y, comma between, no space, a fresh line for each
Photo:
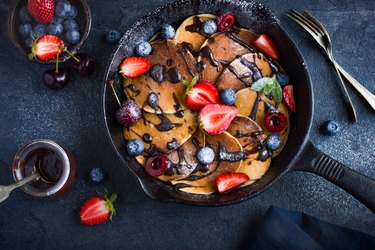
24,165
83,19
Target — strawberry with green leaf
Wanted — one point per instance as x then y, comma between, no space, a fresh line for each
98,209
200,93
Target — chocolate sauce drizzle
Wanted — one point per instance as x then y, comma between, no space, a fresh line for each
239,134
190,48
196,26
241,78
254,110
182,53
207,53
173,145
147,138
239,41
134,89
179,111
256,74
165,124
224,155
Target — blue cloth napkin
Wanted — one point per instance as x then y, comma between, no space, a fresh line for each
284,229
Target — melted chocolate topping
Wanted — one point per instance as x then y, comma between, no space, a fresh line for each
173,75
165,124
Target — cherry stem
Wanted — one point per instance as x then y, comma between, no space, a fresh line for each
67,51
57,63
114,92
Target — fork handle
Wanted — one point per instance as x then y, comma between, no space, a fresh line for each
367,95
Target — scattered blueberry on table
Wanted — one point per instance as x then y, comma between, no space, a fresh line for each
97,176
330,127
112,36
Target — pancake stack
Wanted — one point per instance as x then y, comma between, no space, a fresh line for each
227,60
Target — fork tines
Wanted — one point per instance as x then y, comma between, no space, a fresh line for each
304,21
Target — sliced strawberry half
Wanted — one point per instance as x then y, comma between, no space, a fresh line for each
229,181
134,66
200,93
216,118
47,47
265,44
288,95
97,210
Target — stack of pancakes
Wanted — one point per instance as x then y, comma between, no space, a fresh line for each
227,60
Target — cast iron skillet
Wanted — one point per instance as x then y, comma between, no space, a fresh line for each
299,153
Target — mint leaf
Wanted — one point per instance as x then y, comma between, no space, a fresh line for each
261,83
277,93
268,89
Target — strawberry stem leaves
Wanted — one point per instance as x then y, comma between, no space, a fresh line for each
190,85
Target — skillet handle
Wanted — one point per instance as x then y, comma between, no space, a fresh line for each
358,185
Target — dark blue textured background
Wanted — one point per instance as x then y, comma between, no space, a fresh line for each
73,117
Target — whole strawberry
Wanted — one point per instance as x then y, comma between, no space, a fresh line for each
97,209
41,10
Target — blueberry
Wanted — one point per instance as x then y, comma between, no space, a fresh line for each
206,155
113,36
209,27
135,147
72,36
25,29
157,73
167,31
97,176
62,8
143,49
29,42
228,96
153,100
282,78
330,127
273,142
57,19
39,30
70,24
55,29
73,12
23,15
263,154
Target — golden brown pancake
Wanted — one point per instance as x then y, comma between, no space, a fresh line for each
163,129
221,49
187,31
245,70
176,60
202,181
250,135
245,100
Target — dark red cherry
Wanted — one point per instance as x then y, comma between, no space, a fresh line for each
275,121
157,165
55,80
128,114
225,22
83,64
